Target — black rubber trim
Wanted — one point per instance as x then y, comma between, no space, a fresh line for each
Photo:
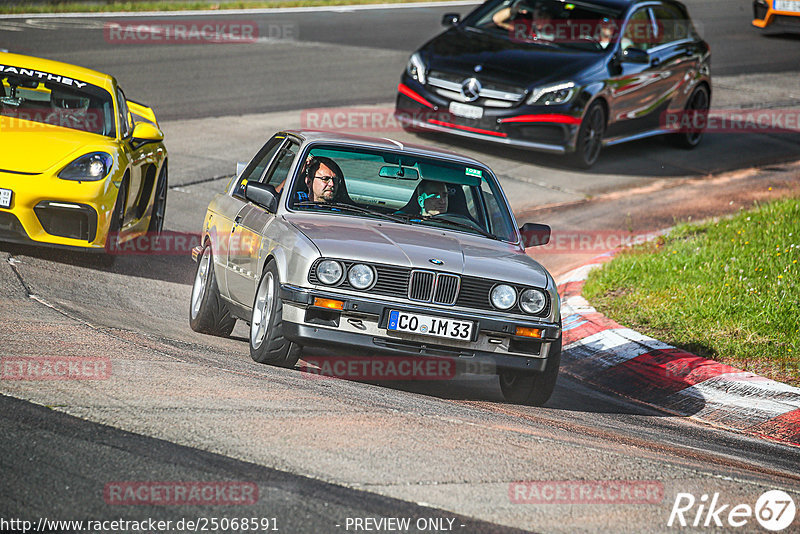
310,336
381,309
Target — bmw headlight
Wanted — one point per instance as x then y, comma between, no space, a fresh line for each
503,296
88,168
416,68
361,276
532,301
559,93
329,272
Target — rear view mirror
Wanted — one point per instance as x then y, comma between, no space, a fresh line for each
450,19
263,195
399,173
534,234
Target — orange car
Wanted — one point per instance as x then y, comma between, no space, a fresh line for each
779,15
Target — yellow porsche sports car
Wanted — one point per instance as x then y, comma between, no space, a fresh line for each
80,165
777,15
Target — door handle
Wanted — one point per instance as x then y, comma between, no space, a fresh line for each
238,219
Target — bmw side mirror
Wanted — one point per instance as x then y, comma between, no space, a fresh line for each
240,167
635,55
262,195
534,234
450,19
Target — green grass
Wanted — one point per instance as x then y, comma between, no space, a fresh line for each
728,289
72,6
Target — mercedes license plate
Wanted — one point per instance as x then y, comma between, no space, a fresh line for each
428,325
465,110
5,198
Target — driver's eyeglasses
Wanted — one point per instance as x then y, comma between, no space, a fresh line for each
426,196
326,178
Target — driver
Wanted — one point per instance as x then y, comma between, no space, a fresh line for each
432,198
69,110
323,179
535,20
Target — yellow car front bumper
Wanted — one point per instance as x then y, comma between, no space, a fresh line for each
48,210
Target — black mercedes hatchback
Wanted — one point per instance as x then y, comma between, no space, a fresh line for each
566,77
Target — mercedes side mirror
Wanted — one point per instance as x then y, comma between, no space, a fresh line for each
635,55
262,195
534,234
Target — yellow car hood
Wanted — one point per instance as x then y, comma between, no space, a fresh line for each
34,147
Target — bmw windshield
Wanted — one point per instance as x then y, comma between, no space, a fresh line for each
403,188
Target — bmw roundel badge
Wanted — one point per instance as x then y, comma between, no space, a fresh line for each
436,261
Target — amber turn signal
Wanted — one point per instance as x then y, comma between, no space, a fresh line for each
329,303
528,332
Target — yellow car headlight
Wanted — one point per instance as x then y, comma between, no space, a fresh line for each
89,168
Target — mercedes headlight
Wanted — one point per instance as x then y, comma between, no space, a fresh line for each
361,276
532,301
88,168
329,272
503,297
416,68
559,93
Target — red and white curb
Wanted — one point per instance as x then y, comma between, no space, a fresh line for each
612,357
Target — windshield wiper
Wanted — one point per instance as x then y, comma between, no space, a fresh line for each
460,224
351,207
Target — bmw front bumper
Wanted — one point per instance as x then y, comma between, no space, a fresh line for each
361,325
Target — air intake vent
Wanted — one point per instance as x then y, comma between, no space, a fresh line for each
420,286
447,289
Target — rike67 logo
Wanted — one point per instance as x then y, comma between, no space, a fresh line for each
774,510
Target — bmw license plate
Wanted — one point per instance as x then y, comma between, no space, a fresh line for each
787,5
5,198
465,110
427,325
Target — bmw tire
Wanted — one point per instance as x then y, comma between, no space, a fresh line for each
267,342
208,313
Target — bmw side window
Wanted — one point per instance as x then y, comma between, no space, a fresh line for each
124,124
280,169
256,168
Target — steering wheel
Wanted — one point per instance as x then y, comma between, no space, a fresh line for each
458,217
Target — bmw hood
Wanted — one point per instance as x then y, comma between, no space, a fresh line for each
407,245
520,64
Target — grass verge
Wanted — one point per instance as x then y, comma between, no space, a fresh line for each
70,6
728,289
